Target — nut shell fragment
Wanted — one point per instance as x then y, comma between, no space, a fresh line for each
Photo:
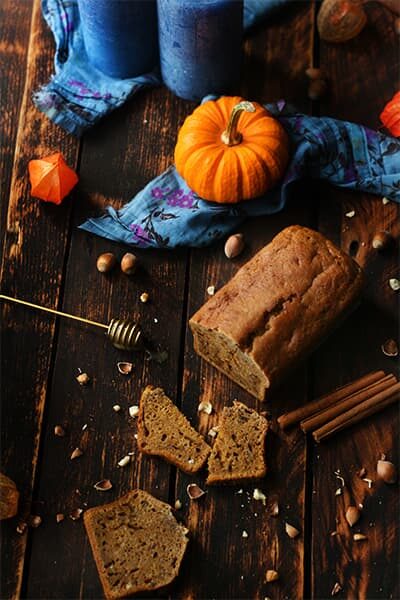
34,521
336,589
124,367
59,431
76,453
390,348
291,531
271,575
76,514
194,491
103,485
352,515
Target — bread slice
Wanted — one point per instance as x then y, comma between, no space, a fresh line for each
164,431
238,453
137,544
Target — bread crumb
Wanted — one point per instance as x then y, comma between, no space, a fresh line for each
245,534
211,290
350,214
116,408
258,495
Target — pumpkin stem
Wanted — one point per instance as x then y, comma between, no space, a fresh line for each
231,135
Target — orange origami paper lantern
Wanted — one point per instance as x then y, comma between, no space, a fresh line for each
390,116
51,178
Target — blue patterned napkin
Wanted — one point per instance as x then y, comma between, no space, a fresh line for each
79,95
166,213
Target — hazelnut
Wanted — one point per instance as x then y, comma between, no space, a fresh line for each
386,471
381,240
106,262
129,263
313,73
317,89
234,245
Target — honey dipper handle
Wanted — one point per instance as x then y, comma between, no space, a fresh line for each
51,310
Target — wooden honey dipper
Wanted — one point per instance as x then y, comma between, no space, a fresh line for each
124,334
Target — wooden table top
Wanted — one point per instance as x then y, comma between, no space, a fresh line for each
48,260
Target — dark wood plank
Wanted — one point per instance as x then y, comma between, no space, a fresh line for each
118,158
365,569
15,23
33,256
220,562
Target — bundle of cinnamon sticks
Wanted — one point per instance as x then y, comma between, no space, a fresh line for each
345,406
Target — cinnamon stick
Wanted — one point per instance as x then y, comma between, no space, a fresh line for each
359,412
297,415
317,420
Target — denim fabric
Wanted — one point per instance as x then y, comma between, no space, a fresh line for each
79,95
166,213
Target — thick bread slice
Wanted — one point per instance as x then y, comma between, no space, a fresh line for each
277,308
137,544
164,431
238,453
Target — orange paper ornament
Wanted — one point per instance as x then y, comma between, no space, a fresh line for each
51,178
390,116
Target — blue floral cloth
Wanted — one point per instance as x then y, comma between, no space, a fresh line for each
79,95
166,213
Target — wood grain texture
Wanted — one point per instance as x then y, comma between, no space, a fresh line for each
220,562
116,162
34,243
363,569
15,23
46,259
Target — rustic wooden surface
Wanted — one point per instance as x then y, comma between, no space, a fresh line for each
47,259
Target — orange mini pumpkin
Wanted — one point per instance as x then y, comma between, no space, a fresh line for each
230,150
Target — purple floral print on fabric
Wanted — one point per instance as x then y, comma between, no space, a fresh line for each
181,199
140,236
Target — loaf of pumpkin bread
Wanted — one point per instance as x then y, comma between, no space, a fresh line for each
277,308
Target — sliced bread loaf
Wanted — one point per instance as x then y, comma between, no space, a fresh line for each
238,453
137,544
164,431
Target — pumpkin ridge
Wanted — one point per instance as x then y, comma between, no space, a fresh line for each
276,167
222,178
198,170
259,176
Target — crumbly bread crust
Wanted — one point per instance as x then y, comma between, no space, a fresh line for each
238,453
276,309
137,544
164,431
